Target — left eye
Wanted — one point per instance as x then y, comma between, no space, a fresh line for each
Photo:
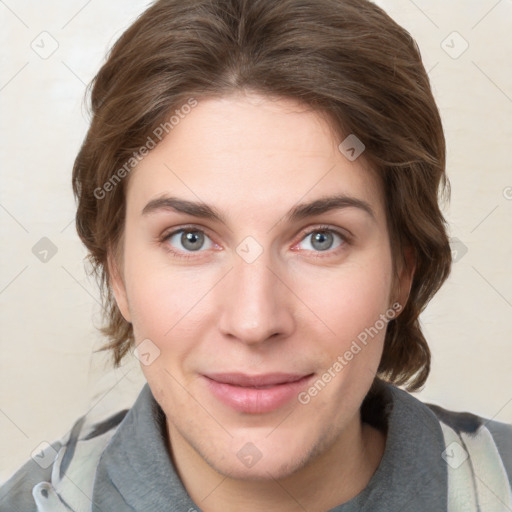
190,240
322,240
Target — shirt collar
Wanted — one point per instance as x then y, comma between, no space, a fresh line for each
411,475
136,467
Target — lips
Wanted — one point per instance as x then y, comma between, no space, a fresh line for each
256,394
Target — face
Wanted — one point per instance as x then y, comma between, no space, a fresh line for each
260,302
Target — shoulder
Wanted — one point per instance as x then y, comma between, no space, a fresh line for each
478,430
473,432
63,472
478,454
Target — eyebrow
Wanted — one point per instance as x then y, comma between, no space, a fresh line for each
299,212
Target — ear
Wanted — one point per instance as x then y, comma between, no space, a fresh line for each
118,286
405,276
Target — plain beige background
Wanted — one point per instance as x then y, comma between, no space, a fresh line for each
48,373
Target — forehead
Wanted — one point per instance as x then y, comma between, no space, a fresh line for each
247,153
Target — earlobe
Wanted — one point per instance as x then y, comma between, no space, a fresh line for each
118,287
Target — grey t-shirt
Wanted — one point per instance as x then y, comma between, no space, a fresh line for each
434,460
412,474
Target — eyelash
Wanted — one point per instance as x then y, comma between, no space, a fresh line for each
346,240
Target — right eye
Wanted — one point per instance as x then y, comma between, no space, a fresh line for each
187,241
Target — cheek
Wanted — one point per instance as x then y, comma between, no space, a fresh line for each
157,305
347,301
152,308
166,304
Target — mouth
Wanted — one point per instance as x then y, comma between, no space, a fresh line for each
256,394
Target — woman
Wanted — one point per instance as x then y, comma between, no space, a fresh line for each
259,194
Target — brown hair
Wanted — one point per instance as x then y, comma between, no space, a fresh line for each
345,58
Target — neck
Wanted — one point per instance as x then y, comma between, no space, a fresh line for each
337,472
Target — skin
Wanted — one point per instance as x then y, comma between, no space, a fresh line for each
294,309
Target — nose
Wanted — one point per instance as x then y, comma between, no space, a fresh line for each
256,303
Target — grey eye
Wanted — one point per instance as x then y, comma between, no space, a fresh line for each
322,240
190,240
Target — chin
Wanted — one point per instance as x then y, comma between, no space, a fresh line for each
281,467
264,459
